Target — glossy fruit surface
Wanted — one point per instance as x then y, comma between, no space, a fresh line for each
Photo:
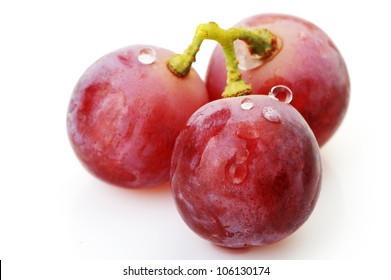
126,112
246,171
308,62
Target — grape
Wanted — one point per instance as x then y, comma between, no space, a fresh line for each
126,112
245,171
308,62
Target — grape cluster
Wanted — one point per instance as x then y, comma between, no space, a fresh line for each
245,170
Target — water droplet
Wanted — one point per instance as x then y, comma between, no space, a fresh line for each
281,93
271,114
147,56
237,172
246,103
242,156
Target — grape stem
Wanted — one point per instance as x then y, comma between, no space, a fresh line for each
260,42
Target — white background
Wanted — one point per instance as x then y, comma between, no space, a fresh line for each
51,208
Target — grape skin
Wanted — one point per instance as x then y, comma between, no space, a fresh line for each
124,116
308,63
241,180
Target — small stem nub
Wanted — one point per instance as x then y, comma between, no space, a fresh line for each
180,64
260,42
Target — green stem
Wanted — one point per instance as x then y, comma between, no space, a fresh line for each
260,42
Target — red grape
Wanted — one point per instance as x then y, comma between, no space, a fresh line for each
245,171
308,62
126,112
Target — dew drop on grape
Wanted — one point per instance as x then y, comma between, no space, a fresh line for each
246,104
271,114
236,169
147,56
242,155
236,173
281,93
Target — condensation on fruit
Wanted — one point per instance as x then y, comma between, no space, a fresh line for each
236,170
236,173
281,93
271,114
246,104
147,56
